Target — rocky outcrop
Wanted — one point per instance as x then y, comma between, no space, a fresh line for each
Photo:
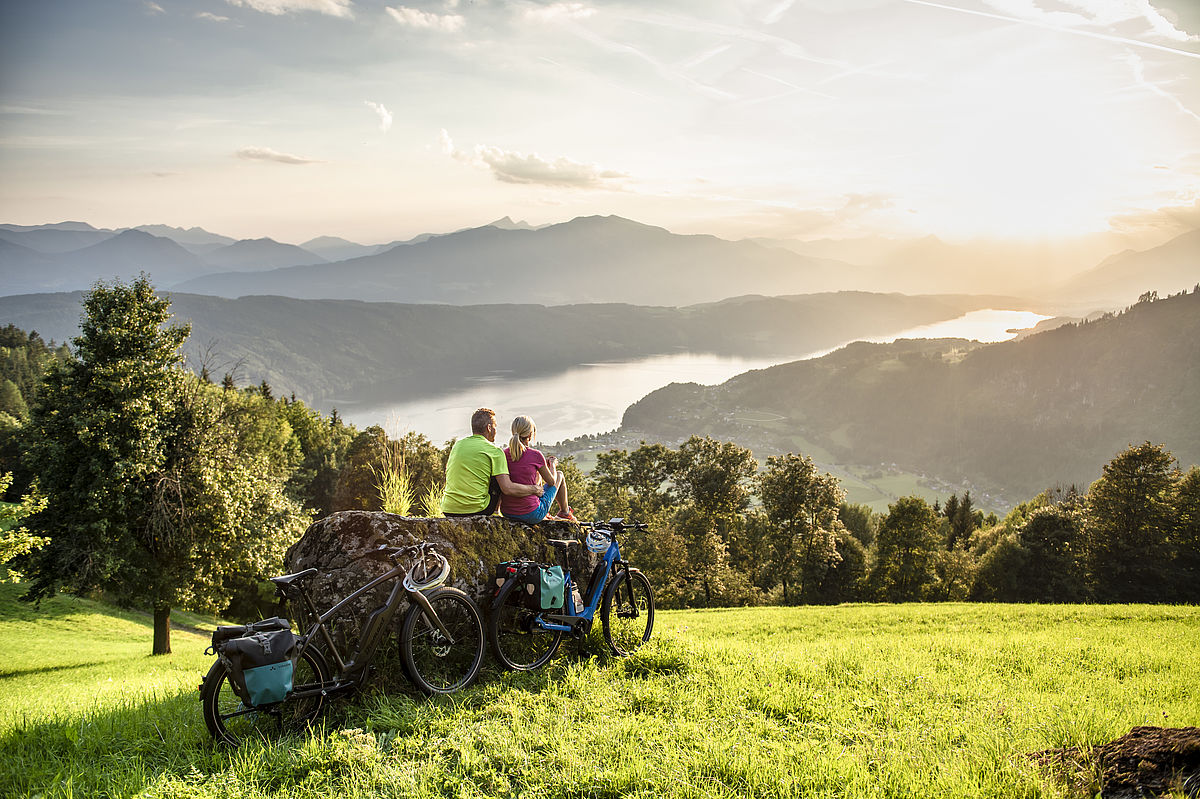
343,547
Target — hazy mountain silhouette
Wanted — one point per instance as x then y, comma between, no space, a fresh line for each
589,259
121,256
54,239
254,255
1015,417
195,240
334,248
1169,268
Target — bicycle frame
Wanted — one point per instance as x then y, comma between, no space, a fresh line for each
570,619
353,672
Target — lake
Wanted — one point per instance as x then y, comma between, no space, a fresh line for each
592,397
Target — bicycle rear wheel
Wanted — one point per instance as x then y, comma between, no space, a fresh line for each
230,722
434,664
518,641
627,612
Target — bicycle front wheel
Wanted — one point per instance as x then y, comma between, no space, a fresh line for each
627,612
433,663
518,641
231,722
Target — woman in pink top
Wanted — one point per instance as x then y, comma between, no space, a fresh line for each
526,465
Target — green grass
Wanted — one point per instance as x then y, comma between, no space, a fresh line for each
855,701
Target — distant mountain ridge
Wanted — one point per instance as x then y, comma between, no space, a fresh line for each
589,259
1015,417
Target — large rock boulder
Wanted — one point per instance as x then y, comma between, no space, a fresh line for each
343,547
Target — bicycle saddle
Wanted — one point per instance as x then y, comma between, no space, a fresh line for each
288,579
561,543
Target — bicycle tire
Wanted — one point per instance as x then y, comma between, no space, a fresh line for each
434,665
624,629
517,642
231,723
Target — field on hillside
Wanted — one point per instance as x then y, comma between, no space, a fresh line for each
855,701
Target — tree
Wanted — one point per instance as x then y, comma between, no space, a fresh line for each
1057,567
904,551
15,540
712,477
1187,536
1130,516
160,488
802,504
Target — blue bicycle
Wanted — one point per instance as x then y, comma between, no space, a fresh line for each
524,637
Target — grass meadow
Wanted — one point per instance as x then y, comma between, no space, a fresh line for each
850,701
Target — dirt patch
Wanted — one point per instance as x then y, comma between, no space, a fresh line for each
1148,761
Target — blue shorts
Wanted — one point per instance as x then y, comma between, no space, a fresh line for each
537,514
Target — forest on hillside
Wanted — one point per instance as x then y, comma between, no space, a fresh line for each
1012,417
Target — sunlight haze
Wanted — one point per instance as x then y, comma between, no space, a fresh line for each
800,119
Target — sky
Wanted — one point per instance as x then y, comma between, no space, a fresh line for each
807,119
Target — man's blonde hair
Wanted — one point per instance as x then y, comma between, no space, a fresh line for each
480,420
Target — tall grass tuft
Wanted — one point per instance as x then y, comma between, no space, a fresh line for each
392,481
431,502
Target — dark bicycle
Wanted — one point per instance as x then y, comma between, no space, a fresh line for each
524,637
440,643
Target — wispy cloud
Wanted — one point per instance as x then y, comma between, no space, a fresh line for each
267,154
427,20
385,116
211,17
510,166
334,8
1041,23
153,8
1139,74
558,11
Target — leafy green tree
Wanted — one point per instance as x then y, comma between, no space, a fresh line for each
845,580
1000,576
904,551
1187,536
712,479
15,540
860,521
156,493
1130,517
1057,562
802,504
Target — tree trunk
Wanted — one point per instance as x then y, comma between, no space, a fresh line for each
162,630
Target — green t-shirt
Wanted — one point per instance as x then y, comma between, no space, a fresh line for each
473,462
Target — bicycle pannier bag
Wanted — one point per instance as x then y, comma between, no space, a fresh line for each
545,587
260,661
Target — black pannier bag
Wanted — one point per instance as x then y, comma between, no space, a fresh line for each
542,587
259,659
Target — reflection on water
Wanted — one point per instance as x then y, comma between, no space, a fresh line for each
591,398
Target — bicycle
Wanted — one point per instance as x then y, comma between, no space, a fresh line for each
441,643
523,638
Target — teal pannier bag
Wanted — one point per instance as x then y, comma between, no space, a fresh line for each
260,663
548,584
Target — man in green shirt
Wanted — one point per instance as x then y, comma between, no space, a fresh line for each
477,472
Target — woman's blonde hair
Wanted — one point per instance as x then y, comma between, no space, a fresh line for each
522,428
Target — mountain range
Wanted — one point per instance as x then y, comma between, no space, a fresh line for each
588,259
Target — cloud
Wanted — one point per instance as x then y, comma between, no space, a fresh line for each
211,17
385,116
426,20
153,8
1139,74
267,154
558,11
1030,14
334,8
510,166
